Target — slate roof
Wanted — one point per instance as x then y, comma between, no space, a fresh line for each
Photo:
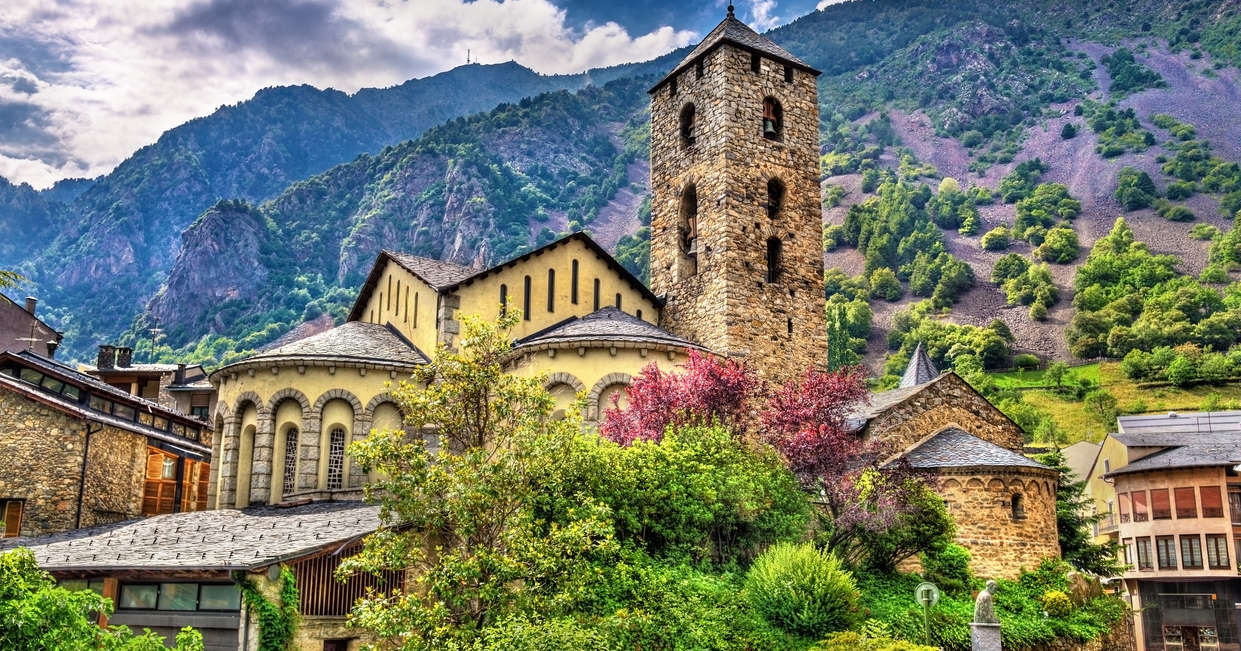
879,403
436,273
1189,452
955,448
610,324
738,33
1185,422
204,540
919,370
352,341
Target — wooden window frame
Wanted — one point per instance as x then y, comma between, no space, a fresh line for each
12,529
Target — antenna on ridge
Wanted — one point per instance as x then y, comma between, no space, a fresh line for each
730,10
467,56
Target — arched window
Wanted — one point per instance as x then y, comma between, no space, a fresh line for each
638,314
773,119
336,458
290,461
525,301
687,125
1019,506
551,290
775,198
503,299
689,219
773,259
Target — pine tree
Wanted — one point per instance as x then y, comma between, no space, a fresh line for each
1075,523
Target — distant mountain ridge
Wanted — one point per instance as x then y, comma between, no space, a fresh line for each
325,178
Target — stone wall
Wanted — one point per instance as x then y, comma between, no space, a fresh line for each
1002,543
947,401
42,450
722,298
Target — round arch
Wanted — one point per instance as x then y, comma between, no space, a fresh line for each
611,379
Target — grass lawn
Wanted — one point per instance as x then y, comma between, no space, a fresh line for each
1081,424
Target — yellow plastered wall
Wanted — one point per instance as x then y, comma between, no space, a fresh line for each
1112,455
407,303
245,455
595,368
482,297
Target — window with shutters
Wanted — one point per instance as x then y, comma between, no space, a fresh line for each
336,458
1123,501
11,513
160,486
1186,505
1212,504
1139,506
1161,505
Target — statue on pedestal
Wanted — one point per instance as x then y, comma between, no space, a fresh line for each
985,629
984,605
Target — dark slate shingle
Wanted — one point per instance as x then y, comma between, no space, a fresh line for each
204,540
436,273
350,341
920,369
609,323
734,31
955,448
1191,451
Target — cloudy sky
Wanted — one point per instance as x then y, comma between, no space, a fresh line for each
84,83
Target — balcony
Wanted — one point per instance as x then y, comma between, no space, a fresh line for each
1107,523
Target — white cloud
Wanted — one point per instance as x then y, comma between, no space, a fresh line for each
97,79
823,4
761,16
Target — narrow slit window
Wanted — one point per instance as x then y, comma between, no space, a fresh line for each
551,290
388,305
672,87
290,461
407,304
503,300
525,301
596,294
573,284
698,68
618,300
638,314
398,297
788,74
756,63
415,306
773,259
775,198
789,323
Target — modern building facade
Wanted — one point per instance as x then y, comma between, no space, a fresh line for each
183,387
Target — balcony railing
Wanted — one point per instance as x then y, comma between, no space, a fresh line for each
1107,524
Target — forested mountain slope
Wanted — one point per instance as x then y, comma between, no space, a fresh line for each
912,92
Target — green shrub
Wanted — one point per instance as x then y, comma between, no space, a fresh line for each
883,284
802,590
1180,190
1204,231
851,641
1026,362
996,239
833,237
1069,131
1060,246
1056,603
971,138
948,568
1134,188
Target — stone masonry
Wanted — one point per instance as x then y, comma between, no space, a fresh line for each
42,450
1002,542
721,297
946,401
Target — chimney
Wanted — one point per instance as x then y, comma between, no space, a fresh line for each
124,356
31,302
179,378
51,348
107,357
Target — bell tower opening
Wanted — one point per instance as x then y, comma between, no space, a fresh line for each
773,119
773,259
687,125
687,233
775,198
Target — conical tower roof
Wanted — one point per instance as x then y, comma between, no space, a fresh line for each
920,369
740,34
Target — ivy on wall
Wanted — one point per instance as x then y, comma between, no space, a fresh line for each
277,622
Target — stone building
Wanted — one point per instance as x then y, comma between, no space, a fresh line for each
1003,503
21,329
736,269
78,452
183,387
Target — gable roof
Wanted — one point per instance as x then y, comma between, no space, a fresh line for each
955,448
204,540
1190,422
352,341
451,276
735,32
1190,452
919,370
878,403
610,324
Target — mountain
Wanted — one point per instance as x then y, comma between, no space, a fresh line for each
912,92
98,250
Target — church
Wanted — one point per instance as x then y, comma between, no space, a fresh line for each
736,271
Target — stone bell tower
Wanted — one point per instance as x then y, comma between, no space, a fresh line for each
736,225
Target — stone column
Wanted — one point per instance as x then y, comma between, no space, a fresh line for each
308,455
353,471
260,465
231,442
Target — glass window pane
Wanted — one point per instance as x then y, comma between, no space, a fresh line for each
99,404
161,423
72,392
178,429
124,411
145,418
220,597
142,597
1234,504
32,376
178,596
73,585
52,384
